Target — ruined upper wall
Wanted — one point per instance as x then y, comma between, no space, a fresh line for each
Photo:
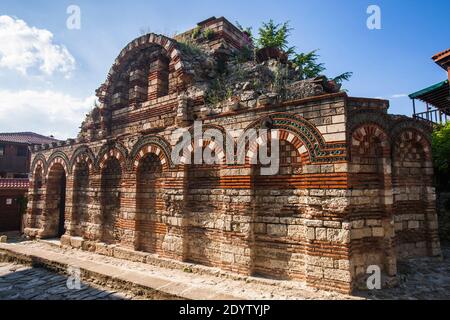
216,35
157,83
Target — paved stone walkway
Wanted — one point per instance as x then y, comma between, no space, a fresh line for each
421,278
173,282
18,282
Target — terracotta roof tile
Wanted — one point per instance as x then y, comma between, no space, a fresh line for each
29,138
442,54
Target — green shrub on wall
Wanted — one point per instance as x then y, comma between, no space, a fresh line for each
441,155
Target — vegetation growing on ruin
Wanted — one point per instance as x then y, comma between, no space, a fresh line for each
218,91
189,47
208,34
196,33
275,35
308,64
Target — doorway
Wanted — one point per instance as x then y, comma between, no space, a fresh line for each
55,203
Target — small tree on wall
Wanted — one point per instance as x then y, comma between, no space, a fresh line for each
275,35
272,42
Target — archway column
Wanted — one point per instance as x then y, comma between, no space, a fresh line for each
34,210
175,244
371,209
431,217
94,228
126,221
69,219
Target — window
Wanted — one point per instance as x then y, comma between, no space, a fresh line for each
2,150
22,151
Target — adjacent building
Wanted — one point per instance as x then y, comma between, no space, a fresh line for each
15,158
437,96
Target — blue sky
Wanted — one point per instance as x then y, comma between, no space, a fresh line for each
388,63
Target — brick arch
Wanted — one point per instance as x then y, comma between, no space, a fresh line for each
319,150
39,159
365,131
39,165
151,144
58,158
370,157
116,150
83,154
411,134
281,135
151,149
360,118
220,151
170,50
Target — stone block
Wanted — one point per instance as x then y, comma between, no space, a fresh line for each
332,224
339,275
65,241
321,234
310,233
296,231
104,249
76,242
324,262
413,225
278,230
378,232
316,272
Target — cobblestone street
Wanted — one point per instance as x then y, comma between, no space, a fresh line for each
19,282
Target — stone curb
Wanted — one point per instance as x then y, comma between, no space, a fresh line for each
111,276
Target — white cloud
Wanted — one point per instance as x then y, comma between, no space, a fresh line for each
45,112
24,48
399,95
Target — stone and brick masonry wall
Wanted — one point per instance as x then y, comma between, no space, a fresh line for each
354,187
337,205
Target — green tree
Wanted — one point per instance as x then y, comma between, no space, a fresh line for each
441,155
308,64
441,148
275,35
310,67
